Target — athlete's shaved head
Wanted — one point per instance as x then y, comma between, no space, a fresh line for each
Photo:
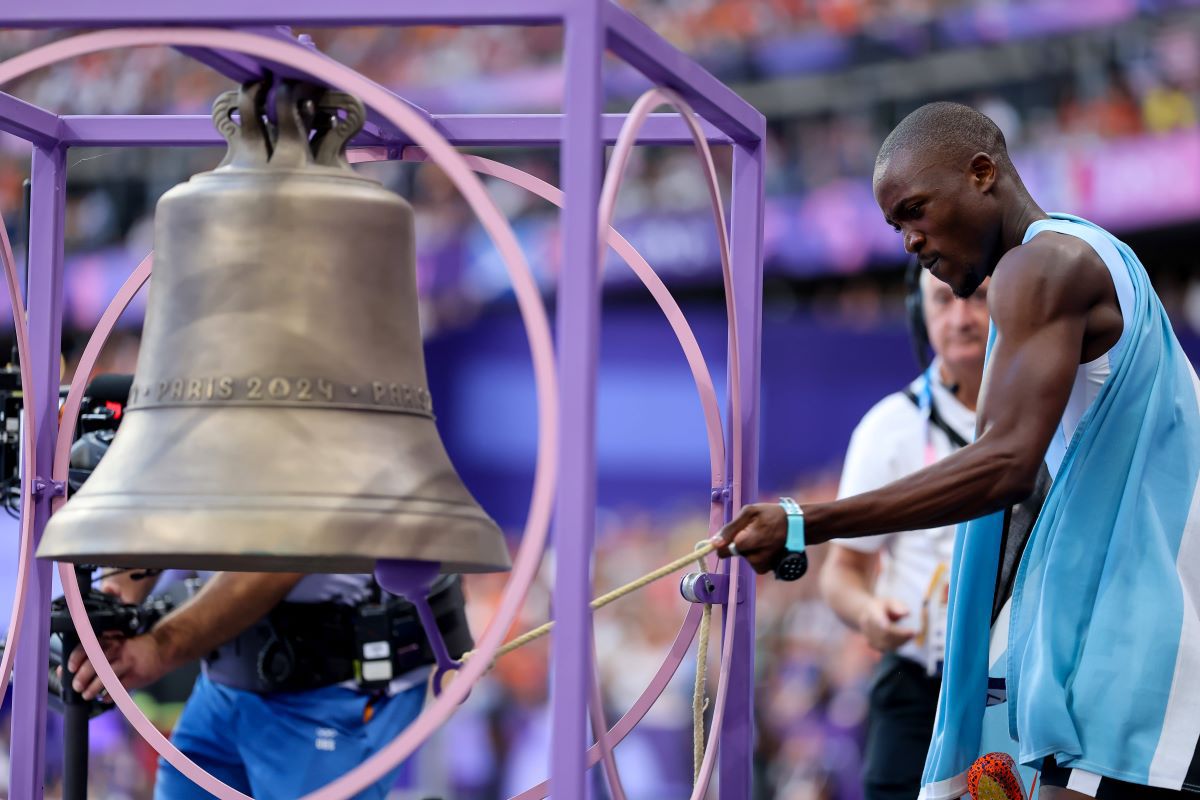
948,130
944,180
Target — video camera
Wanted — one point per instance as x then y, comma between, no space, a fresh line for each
108,615
10,438
100,415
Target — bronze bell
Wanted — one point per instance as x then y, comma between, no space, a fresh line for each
279,417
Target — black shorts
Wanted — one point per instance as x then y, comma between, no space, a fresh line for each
1101,788
903,703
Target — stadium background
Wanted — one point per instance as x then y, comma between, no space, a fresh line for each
1098,102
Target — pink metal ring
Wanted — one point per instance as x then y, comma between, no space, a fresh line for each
708,401
636,262
608,198
543,189
537,327
25,546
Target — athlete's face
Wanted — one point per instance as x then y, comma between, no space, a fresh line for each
958,327
946,213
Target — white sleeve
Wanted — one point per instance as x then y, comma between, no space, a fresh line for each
878,454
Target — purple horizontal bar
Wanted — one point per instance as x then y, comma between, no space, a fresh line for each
231,13
196,130
138,131
654,57
29,122
479,130
525,130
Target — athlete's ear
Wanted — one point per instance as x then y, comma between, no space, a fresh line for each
983,172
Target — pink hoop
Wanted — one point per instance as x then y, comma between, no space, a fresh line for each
600,731
657,685
636,262
25,546
699,367
626,140
537,327
87,362
608,198
618,164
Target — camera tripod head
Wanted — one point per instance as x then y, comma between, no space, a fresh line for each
107,614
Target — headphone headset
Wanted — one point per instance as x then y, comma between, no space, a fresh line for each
914,305
918,333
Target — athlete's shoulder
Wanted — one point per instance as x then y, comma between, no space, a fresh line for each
1051,274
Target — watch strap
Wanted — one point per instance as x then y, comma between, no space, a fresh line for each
795,529
794,563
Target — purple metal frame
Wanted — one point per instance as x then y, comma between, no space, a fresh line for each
45,306
582,131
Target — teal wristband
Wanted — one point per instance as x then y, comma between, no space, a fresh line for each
795,531
794,563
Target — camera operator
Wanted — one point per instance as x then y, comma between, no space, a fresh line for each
267,742
304,676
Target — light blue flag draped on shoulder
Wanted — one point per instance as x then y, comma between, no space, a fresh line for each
1103,657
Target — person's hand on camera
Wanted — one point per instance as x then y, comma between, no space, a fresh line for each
138,661
880,624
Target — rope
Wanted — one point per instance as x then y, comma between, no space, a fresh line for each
699,701
604,599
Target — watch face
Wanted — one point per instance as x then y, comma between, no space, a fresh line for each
792,567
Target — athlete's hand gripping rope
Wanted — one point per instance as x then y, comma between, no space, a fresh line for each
769,536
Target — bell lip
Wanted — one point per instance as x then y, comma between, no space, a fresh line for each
221,562
184,538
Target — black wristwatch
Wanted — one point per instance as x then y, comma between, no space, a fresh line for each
794,563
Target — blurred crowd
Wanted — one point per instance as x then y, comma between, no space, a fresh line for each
1148,85
1139,80
1143,80
812,678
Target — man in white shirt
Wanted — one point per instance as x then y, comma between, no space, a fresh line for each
892,588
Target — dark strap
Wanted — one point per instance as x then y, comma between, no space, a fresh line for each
304,646
936,419
1018,527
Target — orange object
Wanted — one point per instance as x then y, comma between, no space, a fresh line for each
994,776
369,710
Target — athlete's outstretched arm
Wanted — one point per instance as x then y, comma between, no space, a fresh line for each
1040,303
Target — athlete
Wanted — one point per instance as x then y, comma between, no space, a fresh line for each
1082,555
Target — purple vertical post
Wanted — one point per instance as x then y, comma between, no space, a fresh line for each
47,209
737,730
578,332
